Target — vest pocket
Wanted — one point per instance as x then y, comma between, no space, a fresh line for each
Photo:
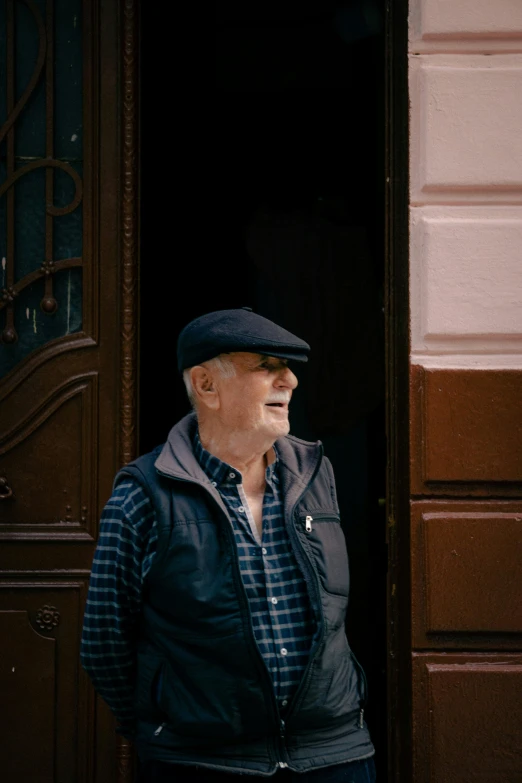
344,693
201,703
325,540
149,674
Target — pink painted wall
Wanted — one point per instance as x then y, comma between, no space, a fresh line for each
466,182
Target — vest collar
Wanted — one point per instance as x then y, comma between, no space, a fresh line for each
299,459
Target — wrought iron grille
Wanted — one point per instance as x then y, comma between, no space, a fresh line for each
41,172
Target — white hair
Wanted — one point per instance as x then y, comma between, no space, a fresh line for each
222,364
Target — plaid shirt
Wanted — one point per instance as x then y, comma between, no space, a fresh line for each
281,615
276,589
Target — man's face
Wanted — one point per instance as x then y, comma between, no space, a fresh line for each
256,399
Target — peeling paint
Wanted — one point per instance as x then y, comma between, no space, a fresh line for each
34,321
75,19
74,137
13,669
27,313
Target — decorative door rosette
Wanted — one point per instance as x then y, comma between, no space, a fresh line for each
48,618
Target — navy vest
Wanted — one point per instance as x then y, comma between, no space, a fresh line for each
203,693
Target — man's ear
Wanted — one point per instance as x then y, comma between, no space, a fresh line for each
204,387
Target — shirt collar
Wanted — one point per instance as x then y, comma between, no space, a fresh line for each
219,472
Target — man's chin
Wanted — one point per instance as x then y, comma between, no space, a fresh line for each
280,429
274,427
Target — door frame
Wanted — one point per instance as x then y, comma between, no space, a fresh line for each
396,209
129,101
397,391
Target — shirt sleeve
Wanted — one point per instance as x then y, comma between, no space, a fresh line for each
123,557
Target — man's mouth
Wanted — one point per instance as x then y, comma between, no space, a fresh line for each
277,404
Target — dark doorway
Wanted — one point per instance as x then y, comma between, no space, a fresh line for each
275,200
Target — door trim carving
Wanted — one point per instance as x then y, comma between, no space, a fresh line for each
128,443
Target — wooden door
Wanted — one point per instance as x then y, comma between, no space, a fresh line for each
466,569
455,435
67,391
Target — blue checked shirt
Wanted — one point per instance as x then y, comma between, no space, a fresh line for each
281,615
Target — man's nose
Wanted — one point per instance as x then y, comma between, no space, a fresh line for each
286,379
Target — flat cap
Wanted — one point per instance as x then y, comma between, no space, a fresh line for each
225,331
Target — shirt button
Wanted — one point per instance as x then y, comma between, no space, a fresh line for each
241,509
231,475
274,600
284,651
264,550
214,483
284,702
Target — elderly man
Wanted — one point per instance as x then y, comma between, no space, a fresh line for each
214,626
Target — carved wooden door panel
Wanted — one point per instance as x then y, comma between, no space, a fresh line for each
466,568
454,415
67,363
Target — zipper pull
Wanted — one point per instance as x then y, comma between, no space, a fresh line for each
308,524
159,729
361,718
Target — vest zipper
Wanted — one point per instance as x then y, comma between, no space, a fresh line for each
257,652
308,519
241,595
307,568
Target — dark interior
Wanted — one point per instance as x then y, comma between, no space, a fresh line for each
271,196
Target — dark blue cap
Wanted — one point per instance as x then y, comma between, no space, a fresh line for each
225,331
